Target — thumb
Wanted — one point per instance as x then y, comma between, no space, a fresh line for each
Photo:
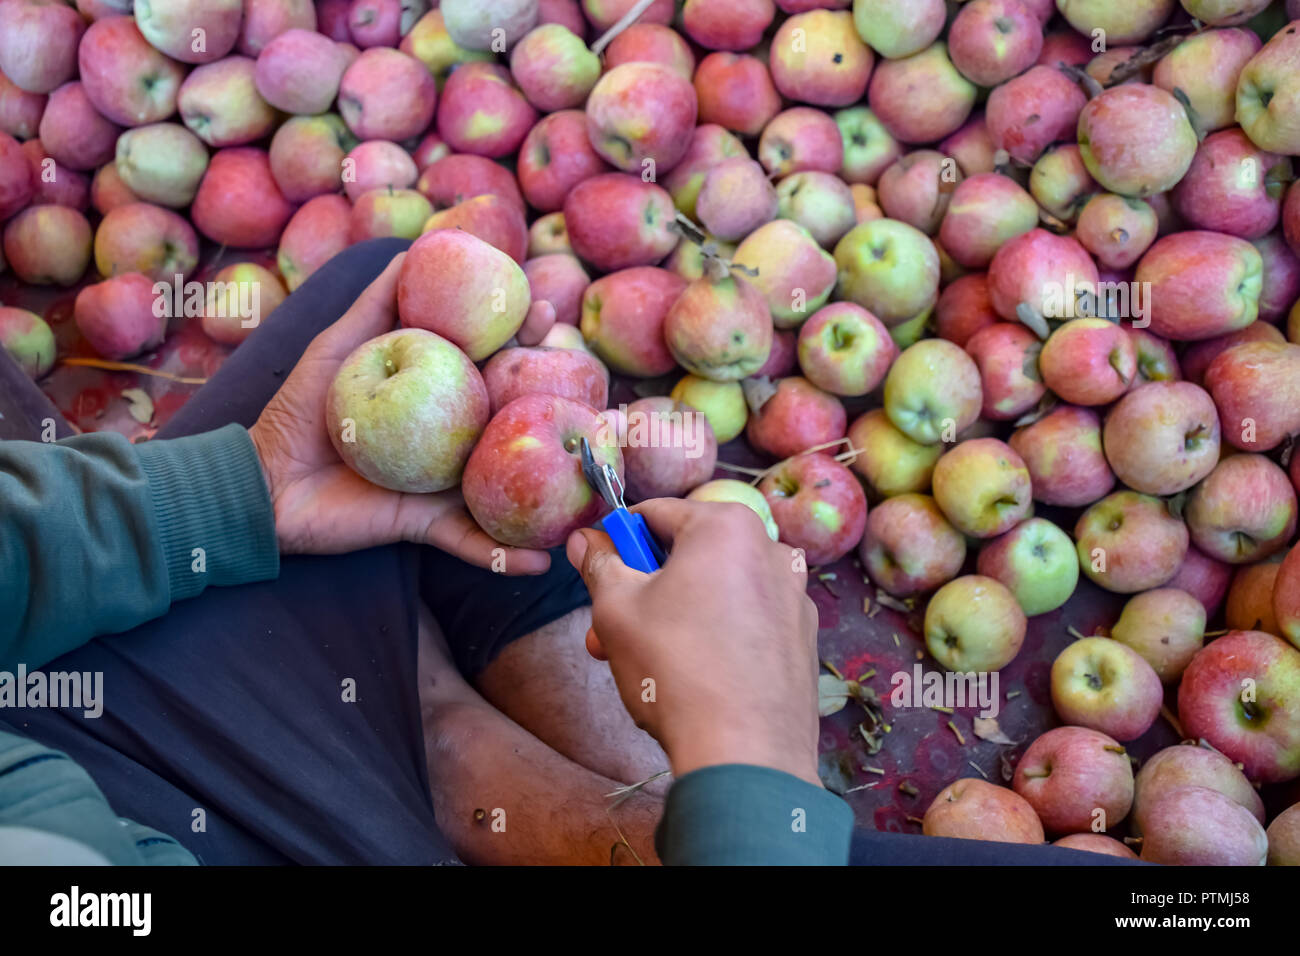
594,556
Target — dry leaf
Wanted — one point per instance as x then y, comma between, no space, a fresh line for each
141,404
986,728
832,694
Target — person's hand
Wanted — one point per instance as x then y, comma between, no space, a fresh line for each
324,507
724,630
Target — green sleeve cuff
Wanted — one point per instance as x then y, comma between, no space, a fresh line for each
212,510
742,815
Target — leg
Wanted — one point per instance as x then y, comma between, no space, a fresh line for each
24,409
874,848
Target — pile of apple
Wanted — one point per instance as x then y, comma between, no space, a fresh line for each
1047,254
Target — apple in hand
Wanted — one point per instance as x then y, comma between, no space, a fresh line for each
1036,562
973,624
569,373
909,547
729,489
1105,685
971,809
1069,774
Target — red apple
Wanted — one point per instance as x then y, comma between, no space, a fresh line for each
1076,779
909,547
616,221
569,373
623,319
1128,542
117,316
796,418
1104,685
669,449
972,809
139,237
818,506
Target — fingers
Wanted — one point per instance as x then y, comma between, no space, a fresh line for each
667,517
538,321
455,532
373,314
594,556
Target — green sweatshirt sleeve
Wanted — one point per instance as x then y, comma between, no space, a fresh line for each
741,815
98,535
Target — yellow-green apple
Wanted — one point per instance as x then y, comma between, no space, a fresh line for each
729,489
1088,361
264,20
817,58
1242,694
1117,230
735,198
889,268
909,547
381,213
869,148
1156,359
1256,386
983,487
917,188
28,340
477,26
801,138
240,298
797,417
794,275
219,102
1249,605
1233,186
1205,67
972,147
375,23
379,164
494,220
554,68
558,278
141,237
126,79
39,42
20,111
899,29
727,24
845,350
464,289
430,43
820,202
1035,560
964,307
985,211
1244,510
1007,357
48,245
192,31
523,482
1106,686
818,506
1221,13
405,409
561,336
385,94
1129,542
548,234
461,176
1095,843
163,163
669,449
1268,93
973,624
1119,22
990,41
117,316
1060,182
569,373
1136,139
1197,826
555,156
1069,774
73,132
947,104
651,43
307,154
1190,765
722,403
1204,578
623,317
640,116
1028,113
1042,272
616,221
1166,626
932,391
1162,437
299,72
317,233
1280,287
889,461
238,203
1063,453
735,91
1284,838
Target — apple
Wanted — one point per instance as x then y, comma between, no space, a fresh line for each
385,94
1042,272
1284,838
1197,826
239,298
429,150
464,289
307,156
820,202
55,185
1205,66
623,317
1088,361
1256,389
972,147
140,237
1075,778
558,278
974,625
947,104
554,68
890,462
985,211
381,213
28,340
917,188
1095,843
128,81
818,506
1165,626
722,403
220,104
651,43
1268,94
897,30
1129,542
719,328
430,43
523,482
991,41
1007,357
909,547
798,417
569,373
48,245
555,156
869,148
889,268
786,265
1233,186
735,198
561,336
299,72
264,20
845,350
1063,453
932,391
983,487
192,31
1242,694
639,117
669,449
1119,23
616,221
478,27
548,234
964,307
1060,182
735,91
117,316
162,163
375,23
1130,121
1106,686
316,233
1064,47
1028,113
39,43
73,132
1221,13
455,178
729,489
798,139
494,220
710,145
1157,361
1191,765
1163,437
1036,562
817,58
1280,287
723,25
1117,230
238,203
1203,577
20,111
1249,605
972,809
1244,510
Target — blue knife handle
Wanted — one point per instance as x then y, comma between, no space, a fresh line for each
631,536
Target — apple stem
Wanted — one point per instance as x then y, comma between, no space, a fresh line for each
625,21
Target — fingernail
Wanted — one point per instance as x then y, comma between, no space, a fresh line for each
575,549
